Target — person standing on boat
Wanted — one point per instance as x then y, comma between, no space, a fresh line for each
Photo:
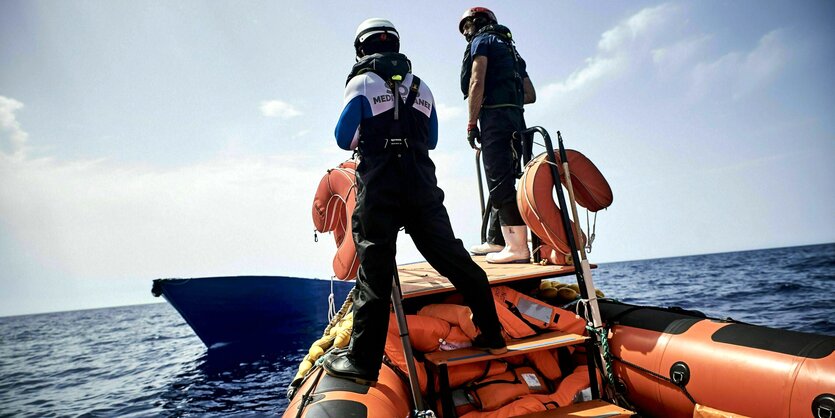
389,118
495,83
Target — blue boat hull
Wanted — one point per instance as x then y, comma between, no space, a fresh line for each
255,310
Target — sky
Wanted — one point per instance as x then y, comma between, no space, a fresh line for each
151,139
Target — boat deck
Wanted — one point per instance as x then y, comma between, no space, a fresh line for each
420,279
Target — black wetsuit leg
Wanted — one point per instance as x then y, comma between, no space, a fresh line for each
376,221
502,156
429,227
494,231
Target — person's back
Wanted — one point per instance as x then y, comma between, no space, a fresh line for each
503,82
389,118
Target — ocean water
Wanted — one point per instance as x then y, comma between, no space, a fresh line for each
145,360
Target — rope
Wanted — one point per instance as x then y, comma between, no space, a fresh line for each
307,398
349,301
331,305
657,376
603,341
591,228
605,362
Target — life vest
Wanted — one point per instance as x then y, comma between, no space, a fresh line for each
524,405
531,310
571,386
385,64
512,325
333,206
394,352
466,373
402,121
546,362
497,391
539,211
457,337
457,315
425,333
534,312
503,80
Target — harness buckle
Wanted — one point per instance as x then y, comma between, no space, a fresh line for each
396,142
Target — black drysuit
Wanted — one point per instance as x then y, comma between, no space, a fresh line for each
397,187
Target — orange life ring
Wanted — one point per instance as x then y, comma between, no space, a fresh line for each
333,205
536,200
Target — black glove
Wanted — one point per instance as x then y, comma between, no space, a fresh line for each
473,135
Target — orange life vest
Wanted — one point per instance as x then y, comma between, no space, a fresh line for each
457,315
521,406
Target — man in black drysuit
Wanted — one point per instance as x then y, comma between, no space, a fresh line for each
495,81
389,117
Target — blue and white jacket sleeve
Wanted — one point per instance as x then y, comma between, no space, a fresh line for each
356,108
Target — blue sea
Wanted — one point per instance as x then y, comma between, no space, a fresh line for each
144,360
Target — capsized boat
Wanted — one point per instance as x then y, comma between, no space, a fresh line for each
571,352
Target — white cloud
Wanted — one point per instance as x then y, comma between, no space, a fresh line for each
596,68
639,24
10,127
69,226
617,50
675,57
279,109
198,219
743,73
447,113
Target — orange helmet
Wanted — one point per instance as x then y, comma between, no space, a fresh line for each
474,12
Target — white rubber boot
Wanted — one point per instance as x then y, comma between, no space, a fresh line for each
485,248
516,250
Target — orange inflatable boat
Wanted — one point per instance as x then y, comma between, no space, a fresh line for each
669,363
663,363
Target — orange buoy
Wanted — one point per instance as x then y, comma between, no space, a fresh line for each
540,212
333,205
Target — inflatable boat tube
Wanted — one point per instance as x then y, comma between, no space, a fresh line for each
324,396
672,360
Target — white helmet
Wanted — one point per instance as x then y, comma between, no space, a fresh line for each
375,26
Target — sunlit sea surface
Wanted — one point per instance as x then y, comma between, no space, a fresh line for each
146,361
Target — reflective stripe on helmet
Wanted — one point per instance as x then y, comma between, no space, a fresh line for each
374,26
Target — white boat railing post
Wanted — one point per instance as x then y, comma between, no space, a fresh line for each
581,248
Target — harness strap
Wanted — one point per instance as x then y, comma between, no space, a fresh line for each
413,92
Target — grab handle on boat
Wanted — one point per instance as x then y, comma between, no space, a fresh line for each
824,406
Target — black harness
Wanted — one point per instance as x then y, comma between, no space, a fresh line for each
392,67
514,97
